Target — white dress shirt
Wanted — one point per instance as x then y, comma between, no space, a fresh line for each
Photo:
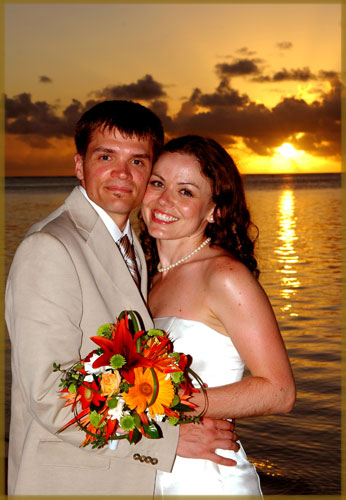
112,227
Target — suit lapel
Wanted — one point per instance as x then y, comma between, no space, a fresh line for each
107,253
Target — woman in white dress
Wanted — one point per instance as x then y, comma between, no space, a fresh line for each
204,290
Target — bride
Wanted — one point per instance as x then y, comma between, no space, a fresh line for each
205,292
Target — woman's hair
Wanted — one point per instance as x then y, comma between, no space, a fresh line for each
232,228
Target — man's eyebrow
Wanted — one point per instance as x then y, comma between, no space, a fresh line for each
141,155
103,149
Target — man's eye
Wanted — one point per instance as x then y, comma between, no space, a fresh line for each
105,157
137,162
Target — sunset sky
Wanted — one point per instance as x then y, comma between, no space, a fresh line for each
262,79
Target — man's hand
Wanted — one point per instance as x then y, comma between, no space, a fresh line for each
201,440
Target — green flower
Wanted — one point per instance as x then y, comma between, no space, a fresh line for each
127,423
117,361
177,377
155,333
95,419
105,331
175,355
112,403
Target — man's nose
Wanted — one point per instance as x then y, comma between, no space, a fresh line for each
121,169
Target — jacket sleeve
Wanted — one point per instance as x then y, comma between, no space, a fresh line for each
44,306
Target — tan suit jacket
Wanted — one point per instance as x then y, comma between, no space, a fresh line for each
67,278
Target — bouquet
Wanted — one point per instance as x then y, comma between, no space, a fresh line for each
133,381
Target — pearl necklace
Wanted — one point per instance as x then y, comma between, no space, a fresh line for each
180,261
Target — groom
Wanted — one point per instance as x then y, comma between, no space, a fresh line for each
67,278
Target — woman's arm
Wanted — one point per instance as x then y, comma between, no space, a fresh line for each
238,301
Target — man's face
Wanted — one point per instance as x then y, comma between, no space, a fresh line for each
115,172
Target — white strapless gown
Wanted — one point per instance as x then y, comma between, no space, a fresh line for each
217,362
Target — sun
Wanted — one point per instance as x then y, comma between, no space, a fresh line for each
287,150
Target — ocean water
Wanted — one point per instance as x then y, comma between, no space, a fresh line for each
299,254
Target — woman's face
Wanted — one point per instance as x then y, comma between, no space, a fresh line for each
178,200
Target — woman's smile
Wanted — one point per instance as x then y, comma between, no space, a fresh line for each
162,217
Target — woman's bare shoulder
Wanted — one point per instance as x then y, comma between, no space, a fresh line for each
224,268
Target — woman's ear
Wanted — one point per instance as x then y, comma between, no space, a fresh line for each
210,217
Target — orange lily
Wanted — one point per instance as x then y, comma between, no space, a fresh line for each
170,413
89,394
122,343
157,353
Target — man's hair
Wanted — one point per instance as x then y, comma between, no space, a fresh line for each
130,118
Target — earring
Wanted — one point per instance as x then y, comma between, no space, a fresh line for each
211,218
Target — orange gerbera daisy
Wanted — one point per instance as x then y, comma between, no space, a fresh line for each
142,394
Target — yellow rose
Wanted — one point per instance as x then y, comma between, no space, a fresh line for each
110,383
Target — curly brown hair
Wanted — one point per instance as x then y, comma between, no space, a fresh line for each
232,228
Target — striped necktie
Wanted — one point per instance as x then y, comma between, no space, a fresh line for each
128,254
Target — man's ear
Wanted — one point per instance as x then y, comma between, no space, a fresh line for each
79,166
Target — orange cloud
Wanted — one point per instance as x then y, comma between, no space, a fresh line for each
54,158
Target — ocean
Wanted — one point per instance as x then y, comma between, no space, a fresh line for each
299,255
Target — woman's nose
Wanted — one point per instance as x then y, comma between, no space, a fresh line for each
166,198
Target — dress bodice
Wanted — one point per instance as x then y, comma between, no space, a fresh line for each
214,356
216,360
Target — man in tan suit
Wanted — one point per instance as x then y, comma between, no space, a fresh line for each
67,278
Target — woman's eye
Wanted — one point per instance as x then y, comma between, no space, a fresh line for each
157,184
186,192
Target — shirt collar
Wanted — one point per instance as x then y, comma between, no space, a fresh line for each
108,221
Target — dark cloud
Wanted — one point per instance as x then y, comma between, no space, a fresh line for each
45,79
300,74
241,67
223,96
262,129
328,75
225,114
160,108
245,51
284,45
23,116
145,89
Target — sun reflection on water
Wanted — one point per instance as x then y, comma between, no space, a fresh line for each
286,253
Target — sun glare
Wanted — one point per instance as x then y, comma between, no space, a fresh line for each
287,150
